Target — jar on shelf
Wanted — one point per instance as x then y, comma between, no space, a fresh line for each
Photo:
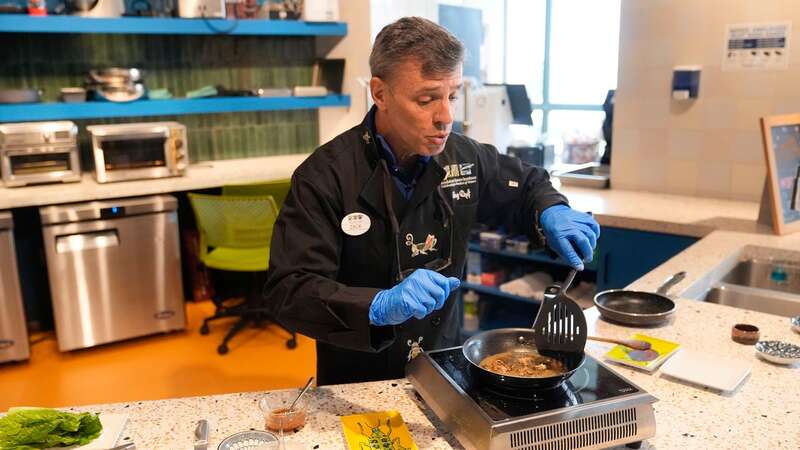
37,8
243,9
471,322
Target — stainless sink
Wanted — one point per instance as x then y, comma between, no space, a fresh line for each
754,299
592,175
783,276
769,286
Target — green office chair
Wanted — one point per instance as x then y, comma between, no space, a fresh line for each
235,233
278,189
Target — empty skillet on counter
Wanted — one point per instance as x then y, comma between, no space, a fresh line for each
638,308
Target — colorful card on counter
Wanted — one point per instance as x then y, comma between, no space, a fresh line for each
384,429
648,360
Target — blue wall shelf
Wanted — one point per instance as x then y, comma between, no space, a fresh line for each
23,23
491,290
97,110
534,256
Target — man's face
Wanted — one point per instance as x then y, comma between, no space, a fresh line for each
416,112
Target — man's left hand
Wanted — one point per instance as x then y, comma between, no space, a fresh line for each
572,234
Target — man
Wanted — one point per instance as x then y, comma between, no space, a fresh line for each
371,241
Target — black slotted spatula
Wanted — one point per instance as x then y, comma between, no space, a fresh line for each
560,325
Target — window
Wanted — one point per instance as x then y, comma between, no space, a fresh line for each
565,52
525,26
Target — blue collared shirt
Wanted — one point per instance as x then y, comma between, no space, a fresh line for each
405,181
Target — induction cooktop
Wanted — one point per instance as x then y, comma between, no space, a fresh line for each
593,408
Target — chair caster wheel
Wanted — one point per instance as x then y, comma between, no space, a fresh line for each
222,349
291,343
204,329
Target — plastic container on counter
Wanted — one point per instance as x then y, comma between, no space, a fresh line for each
491,240
518,244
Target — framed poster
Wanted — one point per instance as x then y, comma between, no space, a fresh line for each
781,136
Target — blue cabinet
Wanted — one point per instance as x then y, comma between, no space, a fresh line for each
622,256
626,255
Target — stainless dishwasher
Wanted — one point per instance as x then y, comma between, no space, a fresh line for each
114,268
13,332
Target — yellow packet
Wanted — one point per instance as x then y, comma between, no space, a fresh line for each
380,430
648,360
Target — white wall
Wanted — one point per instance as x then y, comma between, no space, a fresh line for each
711,146
354,48
365,18
384,12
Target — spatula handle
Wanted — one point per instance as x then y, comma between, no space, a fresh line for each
634,344
568,281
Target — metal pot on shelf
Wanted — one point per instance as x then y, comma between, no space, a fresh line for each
96,8
116,84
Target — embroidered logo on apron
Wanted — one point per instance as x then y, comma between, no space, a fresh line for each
423,247
458,195
458,170
458,175
416,348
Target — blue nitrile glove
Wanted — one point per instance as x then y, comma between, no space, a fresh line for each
416,296
572,234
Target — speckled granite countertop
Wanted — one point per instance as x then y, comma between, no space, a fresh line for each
727,229
763,413
665,213
169,424
199,176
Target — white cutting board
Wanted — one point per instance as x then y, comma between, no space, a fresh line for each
716,372
113,426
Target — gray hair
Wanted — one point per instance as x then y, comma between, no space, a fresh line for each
437,50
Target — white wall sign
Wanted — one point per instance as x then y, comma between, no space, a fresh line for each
757,46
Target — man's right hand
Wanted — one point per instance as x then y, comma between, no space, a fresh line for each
421,293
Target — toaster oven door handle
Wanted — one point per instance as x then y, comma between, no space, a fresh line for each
172,155
87,241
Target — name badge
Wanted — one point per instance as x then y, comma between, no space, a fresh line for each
356,224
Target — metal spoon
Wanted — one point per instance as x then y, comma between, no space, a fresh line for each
632,343
305,388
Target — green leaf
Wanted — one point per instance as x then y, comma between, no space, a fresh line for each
36,428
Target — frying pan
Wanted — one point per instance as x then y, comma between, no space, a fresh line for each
492,342
489,343
638,308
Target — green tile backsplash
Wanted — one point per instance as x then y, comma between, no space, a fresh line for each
180,64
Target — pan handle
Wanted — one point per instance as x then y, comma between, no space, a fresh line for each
670,282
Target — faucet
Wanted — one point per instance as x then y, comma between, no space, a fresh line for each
796,194
778,274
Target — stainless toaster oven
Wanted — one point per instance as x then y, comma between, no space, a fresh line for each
39,152
139,150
